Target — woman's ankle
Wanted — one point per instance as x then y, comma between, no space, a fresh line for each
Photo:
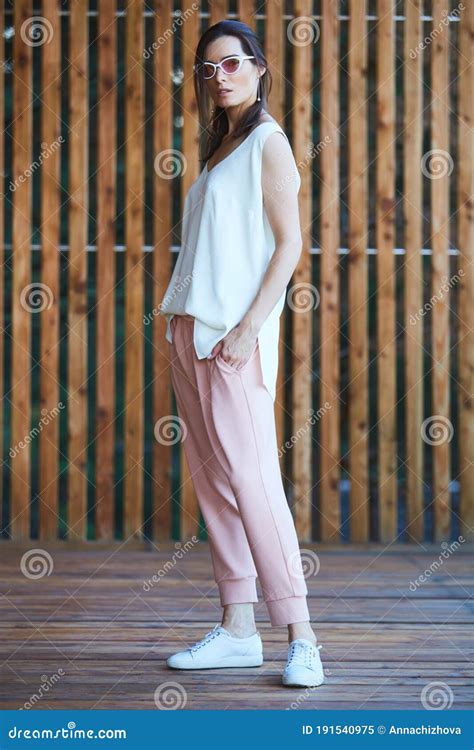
238,620
301,630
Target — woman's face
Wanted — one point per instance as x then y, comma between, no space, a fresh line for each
241,86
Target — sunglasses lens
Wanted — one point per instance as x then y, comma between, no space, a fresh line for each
231,65
207,70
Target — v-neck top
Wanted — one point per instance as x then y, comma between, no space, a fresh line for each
226,246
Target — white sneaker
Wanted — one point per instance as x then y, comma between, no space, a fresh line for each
219,648
304,666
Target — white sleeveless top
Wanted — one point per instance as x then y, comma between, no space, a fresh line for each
226,245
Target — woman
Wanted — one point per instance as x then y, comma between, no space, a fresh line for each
241,241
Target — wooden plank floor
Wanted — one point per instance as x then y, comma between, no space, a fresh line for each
90,636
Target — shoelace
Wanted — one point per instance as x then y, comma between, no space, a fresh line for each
301,654
207,638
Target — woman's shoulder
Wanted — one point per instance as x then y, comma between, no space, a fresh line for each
267,118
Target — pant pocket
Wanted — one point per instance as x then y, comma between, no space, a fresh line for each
231,368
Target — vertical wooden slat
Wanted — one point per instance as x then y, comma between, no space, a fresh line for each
465,206
134,286
302,320
50,218
189,520
105,269
385,240
358,273
247,12
413,268
329,281
21,277
440,269
162,268
2,253
274,52
77,271
217,11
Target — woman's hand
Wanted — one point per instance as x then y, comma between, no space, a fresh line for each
236,348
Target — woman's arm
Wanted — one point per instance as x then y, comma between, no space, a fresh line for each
281,204
280,199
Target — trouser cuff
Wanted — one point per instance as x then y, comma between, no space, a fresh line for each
288,611
237,590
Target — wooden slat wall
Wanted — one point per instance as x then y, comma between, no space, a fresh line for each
323,176
386,299
134,271
162,269
106,277
49,237
246,11
330,510
358,274
189,506
217,11
413,269
302,319
465,214
20,464
2,254
77,151
274,52
440,272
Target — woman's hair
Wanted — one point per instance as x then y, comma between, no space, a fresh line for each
214,123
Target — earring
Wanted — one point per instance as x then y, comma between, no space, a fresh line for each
258,92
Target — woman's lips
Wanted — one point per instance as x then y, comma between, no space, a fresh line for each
224,93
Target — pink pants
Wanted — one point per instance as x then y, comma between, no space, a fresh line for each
231,450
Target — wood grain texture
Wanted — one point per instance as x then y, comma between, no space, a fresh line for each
326,168
274,52
78,271
162,268
300,289
358,274
22,300
2,256
413,269
439,169
314,114
103,620
386,290
106,273
134,272
189,517
465,218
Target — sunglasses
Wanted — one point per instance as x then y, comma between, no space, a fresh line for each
229,65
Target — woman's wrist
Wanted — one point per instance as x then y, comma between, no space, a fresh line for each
250,323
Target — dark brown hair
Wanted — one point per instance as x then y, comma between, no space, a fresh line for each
214,123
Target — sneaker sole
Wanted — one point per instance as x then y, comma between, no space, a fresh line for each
301,683
230,661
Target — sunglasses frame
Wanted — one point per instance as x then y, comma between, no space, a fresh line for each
241,58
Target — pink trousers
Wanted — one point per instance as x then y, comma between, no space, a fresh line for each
232,454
